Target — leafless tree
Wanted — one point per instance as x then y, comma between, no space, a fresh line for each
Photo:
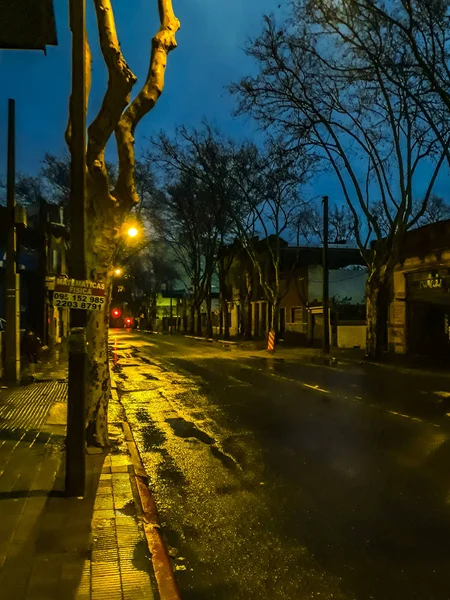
107,204
201,159
340,219
325,96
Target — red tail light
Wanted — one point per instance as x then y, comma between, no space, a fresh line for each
116,313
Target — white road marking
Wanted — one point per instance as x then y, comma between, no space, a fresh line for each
316,388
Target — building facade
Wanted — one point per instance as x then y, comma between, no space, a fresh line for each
419,299
301,313
42,255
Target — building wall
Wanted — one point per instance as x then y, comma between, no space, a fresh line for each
351,336
397,325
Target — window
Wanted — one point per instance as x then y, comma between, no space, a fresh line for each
296,314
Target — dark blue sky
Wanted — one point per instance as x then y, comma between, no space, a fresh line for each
208,57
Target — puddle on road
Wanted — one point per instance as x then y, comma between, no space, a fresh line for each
142,415
225,459
129,509
169,471
152,437
147,361
150,376
141,556
187,429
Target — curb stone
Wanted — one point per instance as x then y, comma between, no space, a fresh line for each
162,566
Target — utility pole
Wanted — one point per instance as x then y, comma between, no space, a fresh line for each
75,440
12,300
325,294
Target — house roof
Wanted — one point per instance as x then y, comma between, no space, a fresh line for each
424,240
306,256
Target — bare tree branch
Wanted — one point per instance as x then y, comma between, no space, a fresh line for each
117,95
162,43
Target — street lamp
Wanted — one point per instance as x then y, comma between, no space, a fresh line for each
118,271
132,232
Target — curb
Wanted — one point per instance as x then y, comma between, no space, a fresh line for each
162,566
337,358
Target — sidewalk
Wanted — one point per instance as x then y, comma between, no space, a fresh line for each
422,365
58,548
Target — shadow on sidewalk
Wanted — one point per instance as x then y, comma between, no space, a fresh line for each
46,537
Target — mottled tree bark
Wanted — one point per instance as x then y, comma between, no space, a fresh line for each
274,320
107,209
198,314
192,319
209,328
376,313
227,321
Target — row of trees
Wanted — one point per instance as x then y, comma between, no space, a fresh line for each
363,87
356,88
218,198
204,215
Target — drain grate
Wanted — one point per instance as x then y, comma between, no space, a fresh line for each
29,406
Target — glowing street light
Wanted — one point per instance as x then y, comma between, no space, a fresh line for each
118,271
132,232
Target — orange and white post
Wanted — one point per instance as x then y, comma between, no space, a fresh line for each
271,341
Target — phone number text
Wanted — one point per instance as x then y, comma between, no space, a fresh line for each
81,301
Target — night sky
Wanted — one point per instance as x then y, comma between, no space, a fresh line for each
209,56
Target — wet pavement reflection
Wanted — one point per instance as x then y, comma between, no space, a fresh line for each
291,479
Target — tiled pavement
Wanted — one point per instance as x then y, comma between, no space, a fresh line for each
57,548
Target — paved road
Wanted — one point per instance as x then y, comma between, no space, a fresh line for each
285,479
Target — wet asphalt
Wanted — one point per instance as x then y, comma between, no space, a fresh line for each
283,478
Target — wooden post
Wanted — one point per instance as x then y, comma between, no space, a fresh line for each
76,435
12,288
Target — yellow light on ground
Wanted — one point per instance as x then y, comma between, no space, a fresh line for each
132,232
118,271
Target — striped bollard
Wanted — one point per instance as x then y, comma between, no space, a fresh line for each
271,341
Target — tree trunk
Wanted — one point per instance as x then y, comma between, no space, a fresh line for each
153,311
221,319
209,327
192,318
199,320
248,322
275,325
376,315
99,254
226,321
98,379
184,318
